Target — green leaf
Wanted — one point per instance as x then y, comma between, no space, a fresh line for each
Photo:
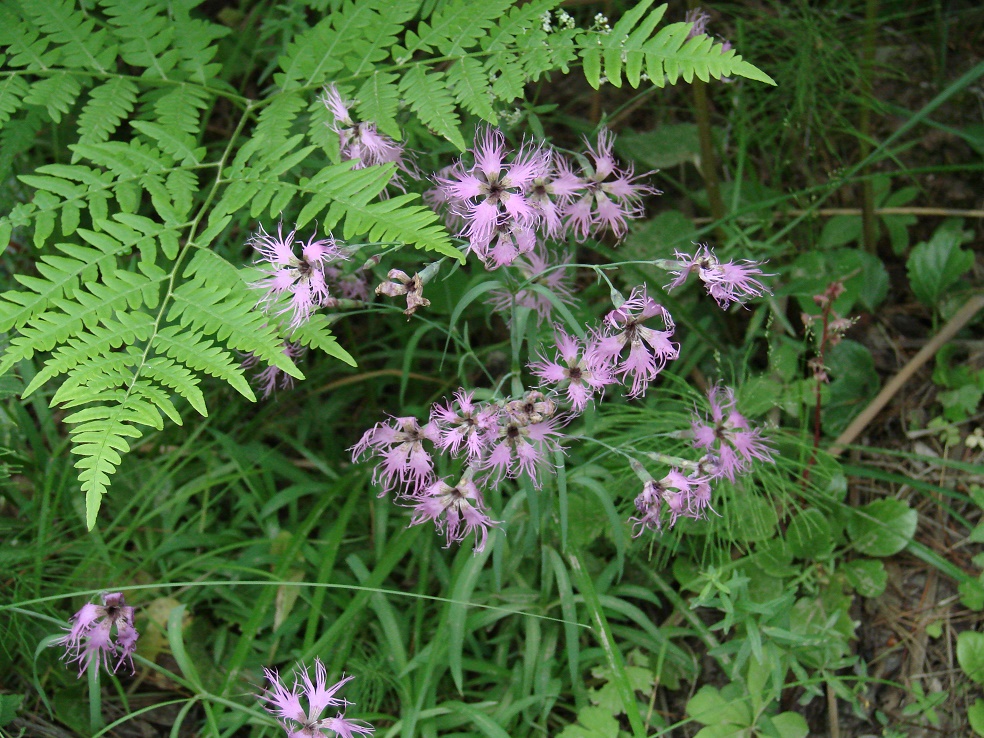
712,707
867,576
975,716
855,383
790,725
883,527
809,535
9,704
970,654
936,265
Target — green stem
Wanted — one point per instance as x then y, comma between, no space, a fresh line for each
869,225
95,695
606,640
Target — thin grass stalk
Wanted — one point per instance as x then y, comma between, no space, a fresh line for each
868,223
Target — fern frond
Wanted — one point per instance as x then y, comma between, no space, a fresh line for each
316,333
455,28
470,84
377,32
12,91
193,350
195,42
25,43
125,329
666,57
172,375
100,437
276,119
60,275
428,96
106,108
180,109
310,59
145,34
56,93
349,193
178,144
96,302
217,302
379,99
81,46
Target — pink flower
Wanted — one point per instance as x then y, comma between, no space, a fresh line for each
699,18
675,491
728,436
525,439
726,283
353,286
490,195
552,191
90,640
470,426
574,371
536,268
300,722
456,511
612,195
273,376
361,142
302,277
649,349
399,446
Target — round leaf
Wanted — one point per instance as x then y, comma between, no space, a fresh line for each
809,535
867,576
882,528
970,654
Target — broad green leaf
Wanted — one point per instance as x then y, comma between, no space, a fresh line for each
936,265
809,535
970,654
867,576
882,528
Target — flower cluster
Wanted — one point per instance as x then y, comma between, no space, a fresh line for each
300,722
504,200
729,445
101,635
491,440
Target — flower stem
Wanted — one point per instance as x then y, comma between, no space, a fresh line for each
95,696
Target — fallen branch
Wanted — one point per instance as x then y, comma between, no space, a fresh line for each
958,321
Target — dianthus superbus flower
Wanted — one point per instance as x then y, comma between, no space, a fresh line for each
303,277
728,282
575,372
490,195
611,195
728,435
464,424
399,446
649,349
528,434
456,511
306,722
361,142
101,635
